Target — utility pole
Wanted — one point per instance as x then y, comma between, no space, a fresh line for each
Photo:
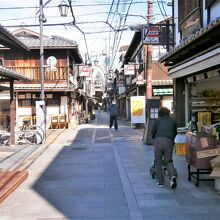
148,54
148,71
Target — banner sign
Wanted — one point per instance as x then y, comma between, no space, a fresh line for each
151,35
85,71
137,109
129,69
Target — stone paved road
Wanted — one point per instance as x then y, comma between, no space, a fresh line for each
91,172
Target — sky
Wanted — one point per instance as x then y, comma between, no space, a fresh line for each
91,32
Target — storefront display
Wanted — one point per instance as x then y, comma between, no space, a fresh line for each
197,166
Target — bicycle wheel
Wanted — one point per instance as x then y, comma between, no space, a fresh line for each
34,134
5,139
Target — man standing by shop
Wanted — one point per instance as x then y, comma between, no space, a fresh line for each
163,132
113,112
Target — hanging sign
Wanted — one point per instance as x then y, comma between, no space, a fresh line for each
151,35
129,69
140,79
85,71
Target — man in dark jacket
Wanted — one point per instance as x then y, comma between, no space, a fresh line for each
113,111
163,132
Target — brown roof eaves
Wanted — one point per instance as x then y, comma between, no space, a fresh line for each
11,75
10,40
190,41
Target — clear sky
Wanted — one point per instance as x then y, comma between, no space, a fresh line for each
90,17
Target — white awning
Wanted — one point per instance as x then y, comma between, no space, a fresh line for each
197,64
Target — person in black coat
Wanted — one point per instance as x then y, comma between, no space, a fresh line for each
113,112
163,132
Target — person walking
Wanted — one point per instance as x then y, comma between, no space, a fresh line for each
113,112
163,132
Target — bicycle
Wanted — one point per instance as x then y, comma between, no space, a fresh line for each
26,134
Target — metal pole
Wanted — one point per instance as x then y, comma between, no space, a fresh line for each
41,51
41,121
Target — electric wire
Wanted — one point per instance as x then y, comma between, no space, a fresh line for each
121,34
158,3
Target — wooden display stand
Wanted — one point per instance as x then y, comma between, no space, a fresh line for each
200,166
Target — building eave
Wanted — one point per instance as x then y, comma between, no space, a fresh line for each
202,39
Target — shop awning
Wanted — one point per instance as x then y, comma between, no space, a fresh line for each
162,91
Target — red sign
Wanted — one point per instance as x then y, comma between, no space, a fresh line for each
129,69
139,79
151,35
86,71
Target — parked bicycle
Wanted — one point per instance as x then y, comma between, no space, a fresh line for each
26,134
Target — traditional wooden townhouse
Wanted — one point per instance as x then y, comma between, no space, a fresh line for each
63,96
7,79
131,80
194,63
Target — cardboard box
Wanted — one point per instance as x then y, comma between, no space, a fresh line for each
208,153
216,174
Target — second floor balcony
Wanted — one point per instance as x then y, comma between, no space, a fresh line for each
59,73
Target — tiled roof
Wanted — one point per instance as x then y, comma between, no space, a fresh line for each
8,39
191,39
32,40
49,42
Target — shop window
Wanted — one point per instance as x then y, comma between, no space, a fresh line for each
24,102
24,99
154,113
55,100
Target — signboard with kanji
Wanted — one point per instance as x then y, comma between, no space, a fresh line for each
150,35
129,69
85,71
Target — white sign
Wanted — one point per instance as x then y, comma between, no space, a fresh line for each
129,69
51,63
151,35
139,79
137,109
86,71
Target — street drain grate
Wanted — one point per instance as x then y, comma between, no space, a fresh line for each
81,148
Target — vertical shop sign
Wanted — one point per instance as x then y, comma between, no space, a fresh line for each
137,109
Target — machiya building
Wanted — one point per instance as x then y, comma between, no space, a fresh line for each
61,87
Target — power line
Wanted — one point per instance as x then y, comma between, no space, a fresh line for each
76,5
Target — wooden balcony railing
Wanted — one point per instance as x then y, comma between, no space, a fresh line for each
34,73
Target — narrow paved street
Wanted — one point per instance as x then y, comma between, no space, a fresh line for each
91,172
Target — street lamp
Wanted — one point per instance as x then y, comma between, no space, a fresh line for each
63,7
